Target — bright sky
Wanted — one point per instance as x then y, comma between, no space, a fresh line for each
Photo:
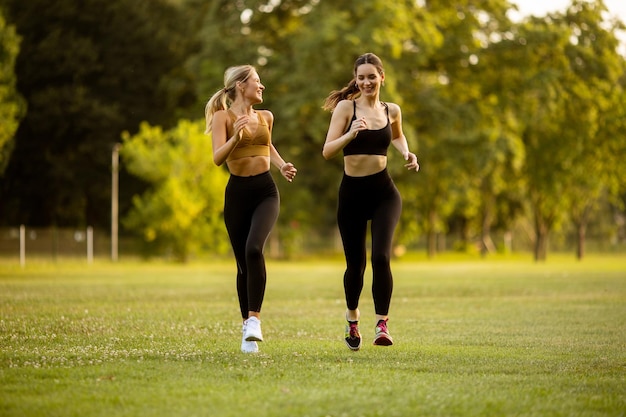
541,7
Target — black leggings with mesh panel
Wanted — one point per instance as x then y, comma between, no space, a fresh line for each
376,198
251,208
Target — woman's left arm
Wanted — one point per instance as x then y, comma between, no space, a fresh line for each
399,140
287,169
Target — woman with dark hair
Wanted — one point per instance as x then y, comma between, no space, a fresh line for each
242,137
362,127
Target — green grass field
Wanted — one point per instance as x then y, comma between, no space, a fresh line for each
473,338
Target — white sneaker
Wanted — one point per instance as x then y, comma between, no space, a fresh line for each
252,330
247,347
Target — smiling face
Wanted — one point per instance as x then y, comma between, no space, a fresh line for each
252,89
368,79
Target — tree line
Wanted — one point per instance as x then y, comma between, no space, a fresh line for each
512,120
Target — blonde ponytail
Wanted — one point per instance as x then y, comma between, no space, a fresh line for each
217,102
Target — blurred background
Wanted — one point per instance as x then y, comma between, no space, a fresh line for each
517,116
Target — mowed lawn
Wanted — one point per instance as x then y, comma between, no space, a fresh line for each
472,338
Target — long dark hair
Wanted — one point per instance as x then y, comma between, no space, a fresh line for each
351,90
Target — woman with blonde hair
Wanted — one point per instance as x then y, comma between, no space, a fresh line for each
242,138
362,127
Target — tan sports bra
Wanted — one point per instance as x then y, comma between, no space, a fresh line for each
257,145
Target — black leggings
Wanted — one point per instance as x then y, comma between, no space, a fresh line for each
250,211
376,198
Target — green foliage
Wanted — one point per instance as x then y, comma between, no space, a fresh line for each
570,83
485,103
11,103
466,146
304,50
513,122
181,214
88,73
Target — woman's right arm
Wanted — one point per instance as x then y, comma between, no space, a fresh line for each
336,139
222,145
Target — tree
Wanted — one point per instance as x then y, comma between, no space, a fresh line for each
181,214
11,103
569,84
88,72
493,103
465,143
596,125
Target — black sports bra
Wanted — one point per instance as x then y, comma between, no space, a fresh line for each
369,142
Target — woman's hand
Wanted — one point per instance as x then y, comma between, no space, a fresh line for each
358,125
240,124
412,161
288,171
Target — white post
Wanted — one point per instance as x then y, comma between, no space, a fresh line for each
22,245
89,245
115,159
508,242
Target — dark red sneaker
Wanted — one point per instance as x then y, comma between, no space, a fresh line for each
353,337
383,338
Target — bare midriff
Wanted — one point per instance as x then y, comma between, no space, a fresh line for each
249,166
363,165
